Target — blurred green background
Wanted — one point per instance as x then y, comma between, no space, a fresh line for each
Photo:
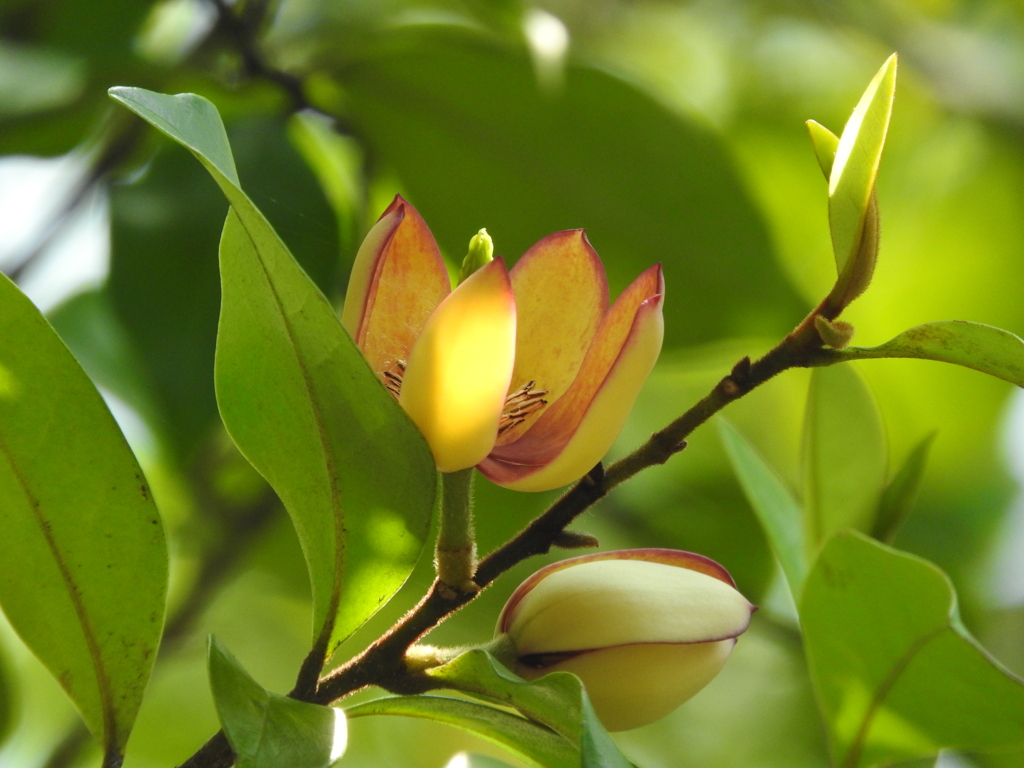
673,132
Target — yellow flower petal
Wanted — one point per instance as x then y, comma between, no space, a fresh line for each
633,685
561,297
398,279
459,369
576,431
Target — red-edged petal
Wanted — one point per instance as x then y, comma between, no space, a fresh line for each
621,601
674,557
576,431
398,279
561,296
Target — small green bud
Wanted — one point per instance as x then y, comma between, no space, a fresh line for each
481,251
835,333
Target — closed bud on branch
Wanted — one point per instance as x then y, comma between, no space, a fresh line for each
850,164
644,629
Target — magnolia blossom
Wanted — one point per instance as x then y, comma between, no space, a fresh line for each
527,374
644,629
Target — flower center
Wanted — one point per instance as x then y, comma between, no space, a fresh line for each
518,405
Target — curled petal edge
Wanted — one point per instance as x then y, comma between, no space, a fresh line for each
399,278
366,267
604,417
622,602
674,557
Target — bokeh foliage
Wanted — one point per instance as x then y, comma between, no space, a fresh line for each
674,133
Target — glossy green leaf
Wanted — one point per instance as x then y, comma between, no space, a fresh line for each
301,403
529,741
982,347
267,730
476,143
857,156
896,674
779,513
83,573
597,750
825,144
844,454
558,701
900,495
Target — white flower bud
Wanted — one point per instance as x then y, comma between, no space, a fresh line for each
645,629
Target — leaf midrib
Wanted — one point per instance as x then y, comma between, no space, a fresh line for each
102,680
888,682
323,639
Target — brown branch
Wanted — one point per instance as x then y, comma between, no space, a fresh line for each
242,31
382,664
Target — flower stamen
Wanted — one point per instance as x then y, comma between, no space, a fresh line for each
520,404
393,378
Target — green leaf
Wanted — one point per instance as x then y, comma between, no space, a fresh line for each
267,730
300,402
476,143
982,347
896,674
825,144
857,156
597,750
83,575
557,700
779,513
844,454
898,499
529,741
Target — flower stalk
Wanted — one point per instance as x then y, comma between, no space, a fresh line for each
455,556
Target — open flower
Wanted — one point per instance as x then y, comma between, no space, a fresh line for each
644,629
527,374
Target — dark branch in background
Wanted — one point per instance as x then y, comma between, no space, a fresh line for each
118,148
242,29
382,664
